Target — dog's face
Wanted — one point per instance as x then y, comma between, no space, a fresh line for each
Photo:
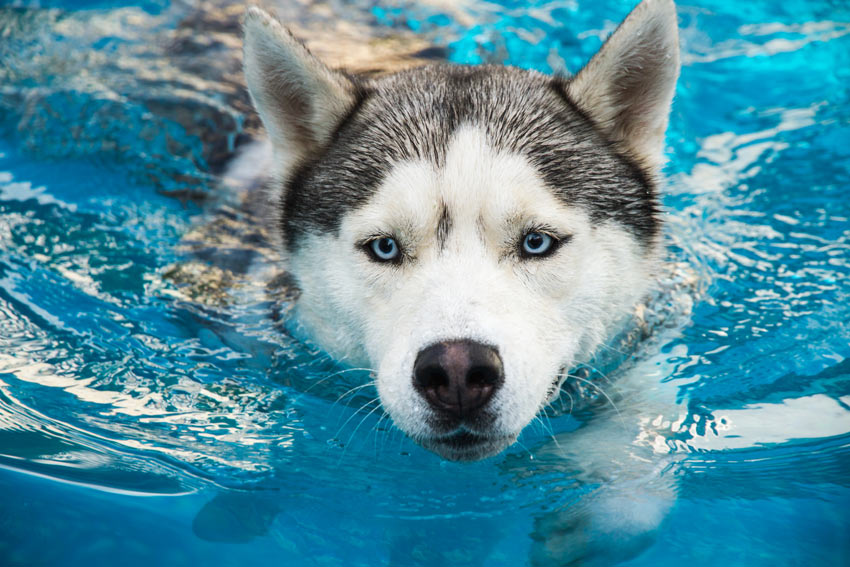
469,232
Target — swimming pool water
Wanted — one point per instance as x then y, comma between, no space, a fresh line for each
141,425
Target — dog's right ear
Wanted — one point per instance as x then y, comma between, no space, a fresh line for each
299,99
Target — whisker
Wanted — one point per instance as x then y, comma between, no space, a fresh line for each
353,433
357,411
554,437
560,397
335,374
572,403
614,349
383,433
601,391
600,373
352,390
539,422
543,428
376,429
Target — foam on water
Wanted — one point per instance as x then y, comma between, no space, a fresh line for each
141,421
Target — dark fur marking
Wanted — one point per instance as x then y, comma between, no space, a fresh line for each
361,93
295,184
559,86
444,225
412,115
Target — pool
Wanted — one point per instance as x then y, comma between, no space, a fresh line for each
154,408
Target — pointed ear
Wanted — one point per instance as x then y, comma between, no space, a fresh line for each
298,98
627,87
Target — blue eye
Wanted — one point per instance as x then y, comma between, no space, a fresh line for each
384,249
536,244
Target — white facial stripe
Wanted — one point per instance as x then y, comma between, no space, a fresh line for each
482,189
541,314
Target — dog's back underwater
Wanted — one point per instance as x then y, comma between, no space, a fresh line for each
471,235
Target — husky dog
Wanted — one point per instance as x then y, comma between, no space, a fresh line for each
469,232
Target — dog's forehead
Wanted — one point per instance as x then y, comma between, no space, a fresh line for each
476,188
414,116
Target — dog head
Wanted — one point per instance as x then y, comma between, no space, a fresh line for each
468,232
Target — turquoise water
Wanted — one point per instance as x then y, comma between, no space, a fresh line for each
141,425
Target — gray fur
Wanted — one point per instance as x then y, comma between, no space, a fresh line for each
412,115
443,226
459,164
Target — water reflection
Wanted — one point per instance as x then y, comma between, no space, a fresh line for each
143,350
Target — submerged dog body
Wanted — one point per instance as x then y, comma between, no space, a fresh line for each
470,233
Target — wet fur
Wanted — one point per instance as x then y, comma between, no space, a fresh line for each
457,164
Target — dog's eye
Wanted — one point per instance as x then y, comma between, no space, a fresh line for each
537,244
384,249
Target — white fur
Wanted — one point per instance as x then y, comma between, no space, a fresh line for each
542,315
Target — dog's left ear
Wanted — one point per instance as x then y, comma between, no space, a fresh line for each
627,87
299,99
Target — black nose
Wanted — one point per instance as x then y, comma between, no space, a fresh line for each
458,378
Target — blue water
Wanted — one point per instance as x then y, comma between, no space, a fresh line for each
142,425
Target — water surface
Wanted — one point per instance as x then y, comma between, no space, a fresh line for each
144,420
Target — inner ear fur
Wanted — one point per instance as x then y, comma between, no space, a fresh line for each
627,87
299,99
